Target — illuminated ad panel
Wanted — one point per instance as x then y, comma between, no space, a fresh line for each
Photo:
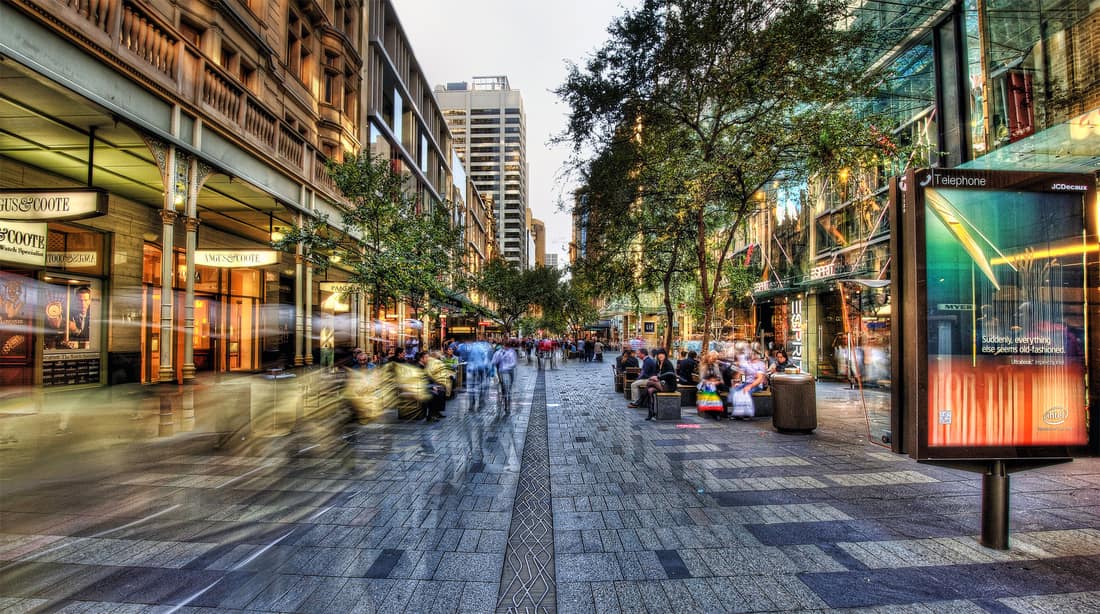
1005,274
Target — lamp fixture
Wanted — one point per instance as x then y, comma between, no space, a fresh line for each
277,235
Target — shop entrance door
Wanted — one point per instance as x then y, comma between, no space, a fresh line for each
204,343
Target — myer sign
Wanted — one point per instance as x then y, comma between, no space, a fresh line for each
23,243
229,259
51,205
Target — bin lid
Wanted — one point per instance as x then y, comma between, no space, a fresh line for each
791,378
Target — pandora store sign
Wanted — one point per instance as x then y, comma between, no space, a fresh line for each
51,205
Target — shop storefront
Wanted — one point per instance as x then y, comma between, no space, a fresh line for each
229,322
52,289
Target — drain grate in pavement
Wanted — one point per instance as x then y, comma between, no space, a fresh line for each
527,581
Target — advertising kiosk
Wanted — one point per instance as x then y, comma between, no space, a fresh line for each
995,276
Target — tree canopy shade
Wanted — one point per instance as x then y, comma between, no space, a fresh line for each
397,247
714,98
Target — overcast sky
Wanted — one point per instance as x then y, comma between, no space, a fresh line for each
529,41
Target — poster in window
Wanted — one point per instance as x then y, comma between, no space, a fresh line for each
72,315
1005,318
16,305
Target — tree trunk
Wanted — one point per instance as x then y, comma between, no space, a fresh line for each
708,317
669,315
704,278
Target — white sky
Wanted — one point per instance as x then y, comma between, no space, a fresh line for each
529,41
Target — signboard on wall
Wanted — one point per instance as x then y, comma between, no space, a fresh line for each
23,243
52,205
794,328
1000,263
235,258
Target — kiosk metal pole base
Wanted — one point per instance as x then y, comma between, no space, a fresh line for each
995,506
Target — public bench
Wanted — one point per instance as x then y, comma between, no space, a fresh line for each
629,375
762,405
666,405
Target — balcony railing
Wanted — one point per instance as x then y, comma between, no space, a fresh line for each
142,41
291,146
259,123
220,94
145,38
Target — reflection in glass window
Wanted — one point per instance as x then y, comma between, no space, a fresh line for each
379,145
398,112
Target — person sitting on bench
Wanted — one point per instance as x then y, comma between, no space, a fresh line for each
685,368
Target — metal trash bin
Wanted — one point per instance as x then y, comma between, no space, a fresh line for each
794,401
275,403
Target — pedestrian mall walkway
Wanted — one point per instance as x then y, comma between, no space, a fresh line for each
573,503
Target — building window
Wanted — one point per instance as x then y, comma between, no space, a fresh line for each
351,96
398,119
299,43
247,74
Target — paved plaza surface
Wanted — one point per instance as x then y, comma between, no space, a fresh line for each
572,503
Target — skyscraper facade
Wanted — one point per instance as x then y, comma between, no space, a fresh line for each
489,126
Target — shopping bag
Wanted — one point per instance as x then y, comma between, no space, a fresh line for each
708,399
741,403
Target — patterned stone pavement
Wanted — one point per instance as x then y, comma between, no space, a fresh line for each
734,516
659,517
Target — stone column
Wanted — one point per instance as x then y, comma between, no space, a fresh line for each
401,324
192,226
299,316
167,374
308,337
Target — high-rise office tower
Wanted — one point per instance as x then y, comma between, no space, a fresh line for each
489,126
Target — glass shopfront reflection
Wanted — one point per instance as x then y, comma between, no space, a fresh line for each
226,329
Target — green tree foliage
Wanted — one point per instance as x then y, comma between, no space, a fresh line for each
515,292
718,97
398,248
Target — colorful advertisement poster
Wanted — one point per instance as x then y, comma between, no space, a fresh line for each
1006,318
72,316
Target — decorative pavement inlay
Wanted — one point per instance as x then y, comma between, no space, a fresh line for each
527,581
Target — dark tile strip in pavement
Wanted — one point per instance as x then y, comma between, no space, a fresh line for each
673,565
384,564
527,582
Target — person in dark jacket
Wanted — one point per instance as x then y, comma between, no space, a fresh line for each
685,368
664,381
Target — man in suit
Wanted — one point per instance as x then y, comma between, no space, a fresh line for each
80,317
649,369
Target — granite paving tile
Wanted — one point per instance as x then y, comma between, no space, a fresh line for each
467,566
730,516
478,597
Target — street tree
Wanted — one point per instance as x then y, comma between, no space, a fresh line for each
515,293
429,261
639,240
724,95
396,247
